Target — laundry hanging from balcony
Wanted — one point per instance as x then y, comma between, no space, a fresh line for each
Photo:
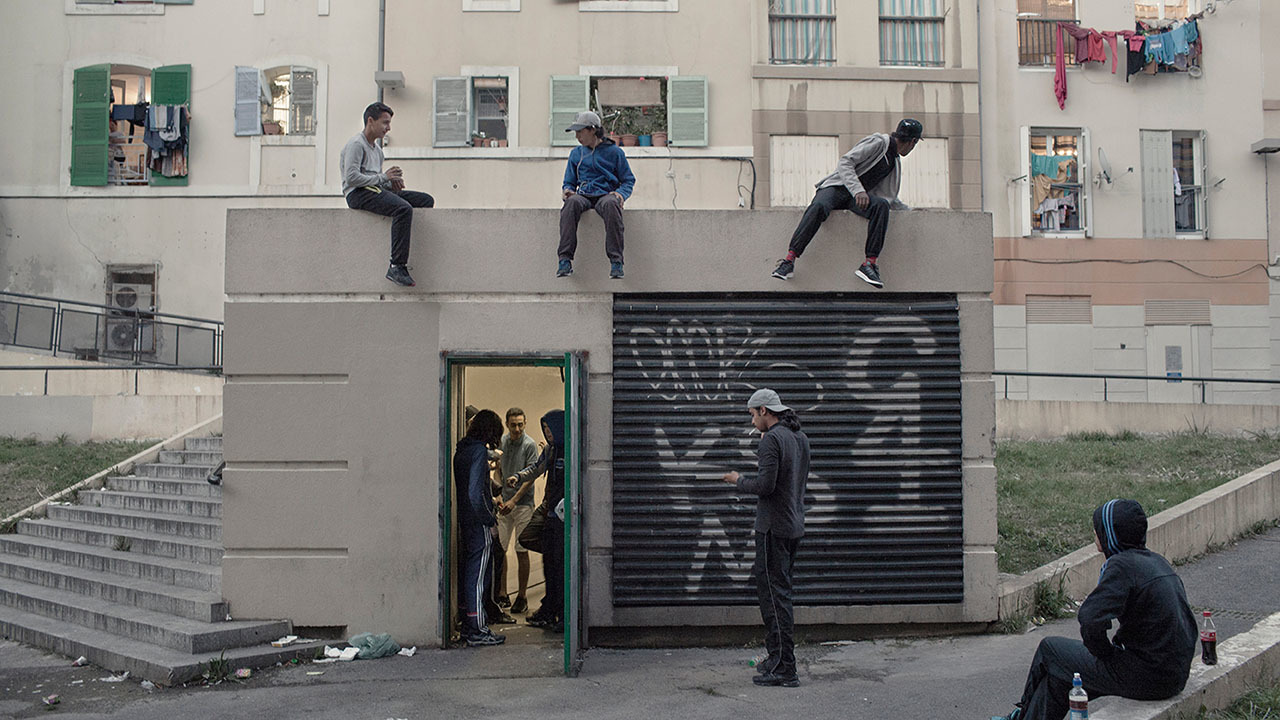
166,138
1176,48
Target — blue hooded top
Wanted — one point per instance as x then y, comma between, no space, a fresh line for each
551,461
597,171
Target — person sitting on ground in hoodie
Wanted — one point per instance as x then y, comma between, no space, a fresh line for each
1149,657
599,177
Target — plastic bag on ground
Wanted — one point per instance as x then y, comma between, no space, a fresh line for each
374,646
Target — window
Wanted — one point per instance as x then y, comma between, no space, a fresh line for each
130,125
1038,30
1173,183
1056,192
802,32
278,101
633,107
471,111
911,32
1158,10
120,7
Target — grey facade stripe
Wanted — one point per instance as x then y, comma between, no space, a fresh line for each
876,382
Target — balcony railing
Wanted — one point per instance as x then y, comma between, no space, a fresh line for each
1037,42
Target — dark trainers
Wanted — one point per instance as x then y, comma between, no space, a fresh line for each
870,273
786,270
399,275
486,637
520,605
504,601
503,619
771,679
565,269
615,270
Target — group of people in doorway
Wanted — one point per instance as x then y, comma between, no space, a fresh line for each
598,177
494,475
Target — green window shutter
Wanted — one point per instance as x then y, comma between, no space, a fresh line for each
171,85
569,96
452,98
687,111
1157,183
90,114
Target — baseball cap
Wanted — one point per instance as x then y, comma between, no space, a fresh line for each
768,399
584,120
910,129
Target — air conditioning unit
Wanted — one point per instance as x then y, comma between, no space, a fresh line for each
131,297
122,336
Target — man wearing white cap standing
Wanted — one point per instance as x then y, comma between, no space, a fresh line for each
599,177
781,476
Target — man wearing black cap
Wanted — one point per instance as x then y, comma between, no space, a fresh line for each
1149,657
866,181
599,177
781,476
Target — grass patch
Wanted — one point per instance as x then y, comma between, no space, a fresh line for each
1047,490
1257,705
31,471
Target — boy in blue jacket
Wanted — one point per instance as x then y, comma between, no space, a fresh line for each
599,177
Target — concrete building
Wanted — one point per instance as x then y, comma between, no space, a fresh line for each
1161,263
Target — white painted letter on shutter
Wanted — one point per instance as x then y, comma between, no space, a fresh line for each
1157,183
248,106
569,96
687,111
452,112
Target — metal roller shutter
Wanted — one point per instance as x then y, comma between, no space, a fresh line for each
876,383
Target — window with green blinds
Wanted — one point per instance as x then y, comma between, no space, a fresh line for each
802,32
911,32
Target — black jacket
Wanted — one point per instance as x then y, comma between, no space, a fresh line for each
781,476
471,479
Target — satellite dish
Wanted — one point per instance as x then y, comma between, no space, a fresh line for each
1104,166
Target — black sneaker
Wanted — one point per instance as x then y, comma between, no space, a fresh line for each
615,271
538,622
503,619
869,272
399,275
565,269
772,679
786,269
504,601
520,605
485,637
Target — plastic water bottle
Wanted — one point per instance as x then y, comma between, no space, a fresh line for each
756,661
1078,699
1208,640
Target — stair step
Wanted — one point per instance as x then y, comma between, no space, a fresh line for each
164,486
175,525
148,503
177,633
204,458
205,444
143,661
201,605
171,470
145,544
178,573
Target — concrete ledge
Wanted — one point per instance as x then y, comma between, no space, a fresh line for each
103,417
1183,531
1038,419
1245,662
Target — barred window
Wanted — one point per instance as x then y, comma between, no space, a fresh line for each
911,32
802,32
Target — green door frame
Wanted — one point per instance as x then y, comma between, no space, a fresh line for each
571,364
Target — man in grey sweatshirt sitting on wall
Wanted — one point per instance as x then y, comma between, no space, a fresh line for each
367,187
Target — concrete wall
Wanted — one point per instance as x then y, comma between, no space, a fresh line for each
82,418
1037,419
333,390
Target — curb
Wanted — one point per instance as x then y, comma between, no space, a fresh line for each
1183,531
1245,661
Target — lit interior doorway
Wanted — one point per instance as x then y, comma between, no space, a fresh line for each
537,385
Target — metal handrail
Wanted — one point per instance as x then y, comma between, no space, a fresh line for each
111,308
1204,381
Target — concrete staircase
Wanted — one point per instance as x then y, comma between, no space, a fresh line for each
130,577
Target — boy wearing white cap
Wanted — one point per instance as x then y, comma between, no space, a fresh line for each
598,177
781,476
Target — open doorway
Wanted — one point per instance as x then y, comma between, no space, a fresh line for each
534,386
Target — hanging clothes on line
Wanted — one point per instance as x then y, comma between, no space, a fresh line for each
168,128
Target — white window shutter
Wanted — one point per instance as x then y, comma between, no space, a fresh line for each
1157,183
1024,185
687,111
1202,179
302,101
796,162
452,112
926,176
1084,166
248,108
569,96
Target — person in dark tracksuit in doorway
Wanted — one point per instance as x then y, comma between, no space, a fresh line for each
780,480
477,525
1149,657
550,616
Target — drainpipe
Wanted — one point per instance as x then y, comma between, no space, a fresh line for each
982,155
382,40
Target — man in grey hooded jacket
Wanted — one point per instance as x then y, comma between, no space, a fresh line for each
866,181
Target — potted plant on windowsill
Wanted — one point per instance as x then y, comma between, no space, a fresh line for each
479,140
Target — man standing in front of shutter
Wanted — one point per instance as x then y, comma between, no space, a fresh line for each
780,480
866,181
598,176
367,187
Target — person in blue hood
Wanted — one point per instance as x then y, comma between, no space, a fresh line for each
1149,656
551,462
599,177
477,525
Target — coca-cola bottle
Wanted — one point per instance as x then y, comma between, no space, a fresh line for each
1208,640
